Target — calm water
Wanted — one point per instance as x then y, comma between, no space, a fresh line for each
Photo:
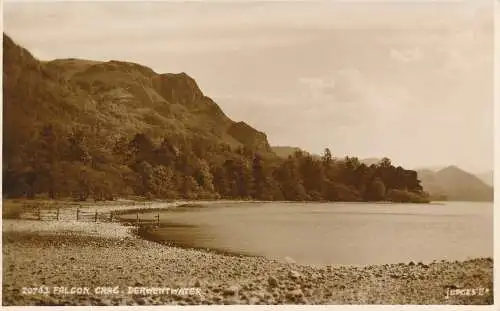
337,233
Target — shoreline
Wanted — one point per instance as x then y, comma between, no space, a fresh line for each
142,201
12,207
94,255
144,233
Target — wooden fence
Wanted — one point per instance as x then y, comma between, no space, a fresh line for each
85,215
138,221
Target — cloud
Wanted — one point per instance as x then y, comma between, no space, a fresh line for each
345,85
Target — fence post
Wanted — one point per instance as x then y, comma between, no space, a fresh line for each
77,213
111,216
137,219
39,214
158,218
57,217
95,216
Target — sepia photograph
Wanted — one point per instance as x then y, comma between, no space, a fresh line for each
179,153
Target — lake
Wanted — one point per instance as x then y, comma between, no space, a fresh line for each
336,233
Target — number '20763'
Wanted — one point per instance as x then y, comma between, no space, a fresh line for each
35,290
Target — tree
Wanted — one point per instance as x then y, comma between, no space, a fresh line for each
166,153
161,184
145,178
411,181
346,193
142,148
221,184
78,147
385,163
290,180
327,156
377,190
189,187
48,150
259,177
350,165
204,177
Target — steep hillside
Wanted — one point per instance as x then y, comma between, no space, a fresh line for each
120,97
87,129
455,184
74,117
130,98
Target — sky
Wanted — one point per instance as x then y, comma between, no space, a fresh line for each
412,81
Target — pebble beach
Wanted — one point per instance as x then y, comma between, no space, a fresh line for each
78,263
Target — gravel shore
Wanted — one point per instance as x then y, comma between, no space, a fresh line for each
118,268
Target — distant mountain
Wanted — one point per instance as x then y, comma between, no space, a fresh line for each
285,151
454,184
487,177
370,161
430,168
